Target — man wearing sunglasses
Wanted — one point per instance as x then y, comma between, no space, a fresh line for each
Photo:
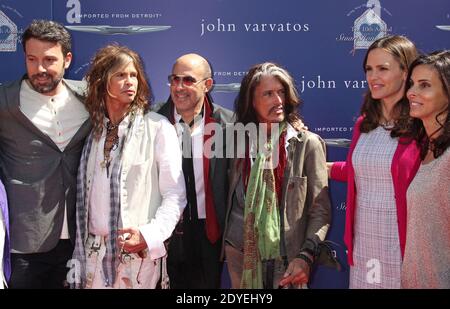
194,248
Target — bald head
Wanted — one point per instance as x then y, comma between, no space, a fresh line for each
188,99
194,62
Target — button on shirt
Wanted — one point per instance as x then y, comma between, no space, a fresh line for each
59,116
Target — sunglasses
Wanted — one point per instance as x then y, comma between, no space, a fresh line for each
187,81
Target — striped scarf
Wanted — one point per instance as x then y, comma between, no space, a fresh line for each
110,262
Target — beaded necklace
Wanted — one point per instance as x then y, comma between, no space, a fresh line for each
111,143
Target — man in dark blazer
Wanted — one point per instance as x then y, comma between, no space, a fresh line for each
194,248
43,124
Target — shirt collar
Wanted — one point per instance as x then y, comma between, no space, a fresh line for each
290,131
199,125
45,99
177,117
122,126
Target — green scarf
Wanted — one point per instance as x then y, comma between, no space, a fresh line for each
261,221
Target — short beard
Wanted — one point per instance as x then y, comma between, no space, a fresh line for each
48,87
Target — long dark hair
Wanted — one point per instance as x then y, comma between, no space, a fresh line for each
413,128
105,62
246,113
404,52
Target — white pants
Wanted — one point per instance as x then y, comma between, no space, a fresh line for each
133,271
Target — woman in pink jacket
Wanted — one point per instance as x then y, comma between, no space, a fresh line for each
378,170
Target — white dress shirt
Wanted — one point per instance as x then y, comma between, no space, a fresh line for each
59,116
197,160
155,217
99,200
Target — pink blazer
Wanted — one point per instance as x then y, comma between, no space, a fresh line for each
405,163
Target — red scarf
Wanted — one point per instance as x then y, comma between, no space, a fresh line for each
212,224
279,170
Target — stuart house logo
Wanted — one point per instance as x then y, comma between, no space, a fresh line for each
8,34
367,27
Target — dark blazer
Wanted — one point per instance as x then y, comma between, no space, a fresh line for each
39,178
217,166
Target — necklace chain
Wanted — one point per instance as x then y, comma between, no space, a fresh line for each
111,143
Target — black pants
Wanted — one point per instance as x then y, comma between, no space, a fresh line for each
193,262
45,270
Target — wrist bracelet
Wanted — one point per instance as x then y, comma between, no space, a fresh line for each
305,258
309,251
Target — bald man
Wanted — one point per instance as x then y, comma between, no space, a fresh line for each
194,248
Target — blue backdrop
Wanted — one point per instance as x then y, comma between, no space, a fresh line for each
321,42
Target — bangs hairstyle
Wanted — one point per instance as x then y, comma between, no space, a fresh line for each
106,62
413,128
246,113
404,52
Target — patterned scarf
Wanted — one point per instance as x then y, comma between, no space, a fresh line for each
110,262
261,217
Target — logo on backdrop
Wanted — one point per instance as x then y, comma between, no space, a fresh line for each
231,87
110,30
445,27
220,25
367,27
8,34
76,16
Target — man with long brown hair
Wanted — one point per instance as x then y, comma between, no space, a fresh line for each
130,182
278,205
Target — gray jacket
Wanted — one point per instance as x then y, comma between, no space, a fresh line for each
38,177
305,209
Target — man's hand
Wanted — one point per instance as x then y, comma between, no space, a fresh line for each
131,240
296,274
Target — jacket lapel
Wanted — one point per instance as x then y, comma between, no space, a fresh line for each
86,127
132,139
81,134
13,100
